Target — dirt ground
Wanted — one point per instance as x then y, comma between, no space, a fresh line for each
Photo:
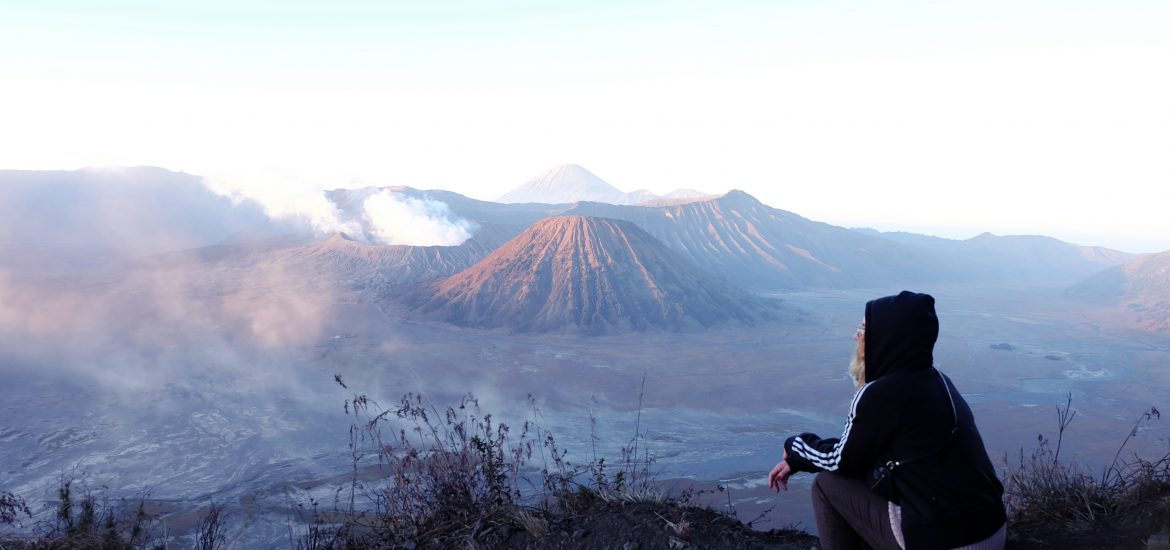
620,525
1143,527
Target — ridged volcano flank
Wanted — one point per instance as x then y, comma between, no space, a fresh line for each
1141,287
736,236
355,264
592,275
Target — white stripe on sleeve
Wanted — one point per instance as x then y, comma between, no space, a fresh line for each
829,460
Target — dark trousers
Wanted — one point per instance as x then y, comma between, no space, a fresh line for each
850,516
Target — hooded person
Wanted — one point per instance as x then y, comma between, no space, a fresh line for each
910,469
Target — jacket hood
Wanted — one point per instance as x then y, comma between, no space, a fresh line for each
900,332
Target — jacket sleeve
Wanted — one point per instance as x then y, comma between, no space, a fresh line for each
855,452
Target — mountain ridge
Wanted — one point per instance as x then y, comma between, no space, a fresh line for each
1139,287
736,236
589,275
1032,258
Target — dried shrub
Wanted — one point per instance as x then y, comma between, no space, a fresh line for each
1045,491
442,473
12,508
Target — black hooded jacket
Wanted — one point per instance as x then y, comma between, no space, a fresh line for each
949,493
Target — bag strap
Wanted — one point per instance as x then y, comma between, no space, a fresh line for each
891,464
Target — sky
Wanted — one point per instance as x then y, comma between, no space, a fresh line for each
947,118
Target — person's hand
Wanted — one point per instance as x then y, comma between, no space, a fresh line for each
778,477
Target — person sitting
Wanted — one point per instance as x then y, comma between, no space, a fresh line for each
910,469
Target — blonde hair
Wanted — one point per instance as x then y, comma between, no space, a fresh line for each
857,365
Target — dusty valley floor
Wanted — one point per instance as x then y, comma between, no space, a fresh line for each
262,428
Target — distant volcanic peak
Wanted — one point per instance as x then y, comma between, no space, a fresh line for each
734,198
587,274
685,194
677,201
570,172
564,184
739,197
571,184
639,196
739,201
342,241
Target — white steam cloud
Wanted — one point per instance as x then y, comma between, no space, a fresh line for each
396,219
377,216
284,199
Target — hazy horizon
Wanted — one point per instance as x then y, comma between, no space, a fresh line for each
141,358
1036,117
308,204
176,331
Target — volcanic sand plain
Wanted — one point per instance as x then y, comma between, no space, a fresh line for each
713,407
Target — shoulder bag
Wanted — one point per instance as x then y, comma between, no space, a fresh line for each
881,478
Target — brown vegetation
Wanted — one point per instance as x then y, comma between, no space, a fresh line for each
425,477
1056,503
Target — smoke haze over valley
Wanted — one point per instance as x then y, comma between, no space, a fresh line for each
224,225
156,336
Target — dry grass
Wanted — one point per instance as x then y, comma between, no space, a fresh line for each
681,528
533,524
635,479
446,474
1045,491
12,507
455,476
86,519
450,477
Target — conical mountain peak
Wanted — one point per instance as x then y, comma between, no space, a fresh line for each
567,183
590,275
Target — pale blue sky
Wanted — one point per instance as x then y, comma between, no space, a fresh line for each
942,117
